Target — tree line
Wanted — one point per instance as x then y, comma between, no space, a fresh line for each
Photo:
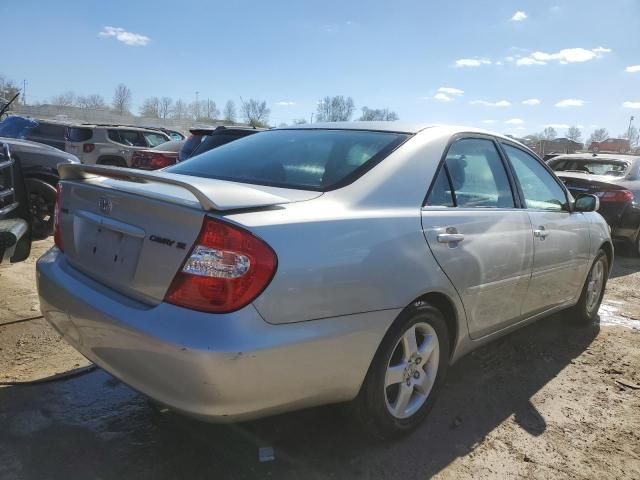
599,135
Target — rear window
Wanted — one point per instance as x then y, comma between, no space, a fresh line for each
154,139
49,130
595,167
303,159
77,134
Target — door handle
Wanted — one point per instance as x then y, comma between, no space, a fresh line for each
540,233
450,237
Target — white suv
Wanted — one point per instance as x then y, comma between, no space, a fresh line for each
110,144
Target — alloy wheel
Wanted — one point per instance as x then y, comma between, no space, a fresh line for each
595,283
411,371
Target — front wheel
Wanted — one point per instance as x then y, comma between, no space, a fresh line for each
406,374
42,202
586,310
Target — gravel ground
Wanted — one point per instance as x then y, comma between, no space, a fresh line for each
548,401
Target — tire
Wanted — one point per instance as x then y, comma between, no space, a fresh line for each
113,161
586,310
379,409
42,203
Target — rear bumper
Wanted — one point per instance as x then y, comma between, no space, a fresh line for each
215,367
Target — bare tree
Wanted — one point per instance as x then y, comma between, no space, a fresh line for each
211,110
599,135
166,104
150,108
66,99
122,99
549,133
8,88
230,111
633,136
180,110
378,114
255,112
574,133
335,109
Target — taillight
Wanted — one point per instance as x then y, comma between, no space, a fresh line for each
227,268
88,147
615,196
158,160
57,234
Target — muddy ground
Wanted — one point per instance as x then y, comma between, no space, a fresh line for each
549,401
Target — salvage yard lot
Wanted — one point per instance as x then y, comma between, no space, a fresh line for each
548,401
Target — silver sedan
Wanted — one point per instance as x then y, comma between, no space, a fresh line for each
318,264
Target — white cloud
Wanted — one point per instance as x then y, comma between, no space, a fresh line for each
128,38
442,97
286,104
634,105
519,16
514,121
472,62
484,103
570,102
564,56
531,101
557,125
488,121
632,68
451,91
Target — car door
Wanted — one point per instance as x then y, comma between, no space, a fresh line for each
478,233
560,238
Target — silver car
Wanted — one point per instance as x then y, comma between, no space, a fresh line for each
318,264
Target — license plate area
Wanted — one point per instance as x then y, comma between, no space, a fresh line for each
107,248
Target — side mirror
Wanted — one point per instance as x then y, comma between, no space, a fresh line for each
587,203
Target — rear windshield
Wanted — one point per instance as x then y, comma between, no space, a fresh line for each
302,159
615,168
77,134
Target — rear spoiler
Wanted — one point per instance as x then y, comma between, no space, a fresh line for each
212,194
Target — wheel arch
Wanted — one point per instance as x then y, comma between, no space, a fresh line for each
607,246
449,312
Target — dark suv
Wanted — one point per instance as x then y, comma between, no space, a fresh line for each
204,139
42,131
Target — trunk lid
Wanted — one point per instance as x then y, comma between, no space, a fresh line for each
131,230
578,183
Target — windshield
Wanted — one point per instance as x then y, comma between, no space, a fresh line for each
16,127
303,159
595,167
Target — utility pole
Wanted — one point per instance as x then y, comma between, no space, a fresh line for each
24,92
311,118
631,119
197,109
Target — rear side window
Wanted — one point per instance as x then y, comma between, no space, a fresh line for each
49,130
77,134
130,138
539,187
305,159
477,175
154,139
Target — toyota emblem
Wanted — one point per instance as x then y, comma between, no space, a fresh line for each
105,205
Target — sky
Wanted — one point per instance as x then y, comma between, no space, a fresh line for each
509,66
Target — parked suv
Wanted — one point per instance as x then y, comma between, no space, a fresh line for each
618,145
111,144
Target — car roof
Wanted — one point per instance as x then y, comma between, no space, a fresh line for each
598,156
116,126
399,127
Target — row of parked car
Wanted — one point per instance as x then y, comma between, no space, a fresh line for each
41,145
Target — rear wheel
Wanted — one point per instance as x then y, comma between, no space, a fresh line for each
42,202
406,374
586,310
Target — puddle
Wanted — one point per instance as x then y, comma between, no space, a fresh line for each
609,316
